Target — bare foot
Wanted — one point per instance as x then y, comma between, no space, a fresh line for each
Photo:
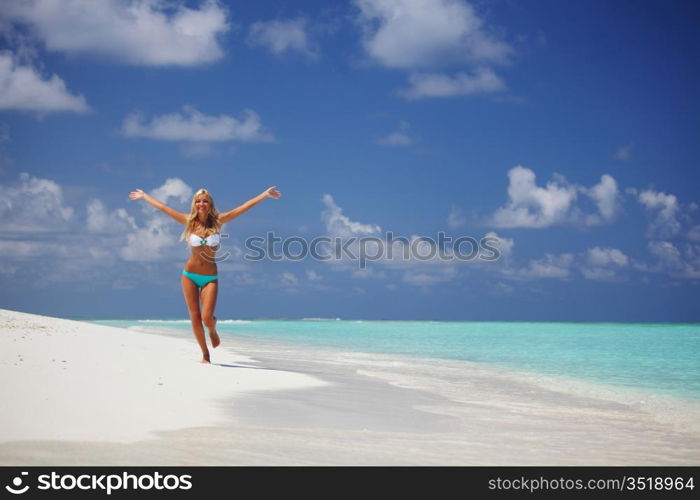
215,340
205,359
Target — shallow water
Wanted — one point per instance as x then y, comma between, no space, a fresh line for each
659,357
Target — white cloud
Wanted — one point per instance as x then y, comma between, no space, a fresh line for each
455,218
421,263
603,263
664,208
157,239
597,263
99,220
422,260
425,33
599,273
611,264
5,159
313,276
691,257
550,266
282,36
173,188
423,85
24,88
50,242
422,35
150,242
33,204
504,288
505,245
533,206
398,137
340,225
289,279
22,251
624,153
193,126
667,254
153,238
368,273
676,261
415,277
694,233
138,32
45,240
601,257
341,229
121,236
395,139
606,196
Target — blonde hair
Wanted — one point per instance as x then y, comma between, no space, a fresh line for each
213,225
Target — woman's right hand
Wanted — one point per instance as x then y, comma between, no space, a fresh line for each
138,194
272,192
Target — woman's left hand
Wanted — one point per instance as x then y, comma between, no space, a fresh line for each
272,192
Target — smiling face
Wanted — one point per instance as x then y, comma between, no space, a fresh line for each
202,203
203,218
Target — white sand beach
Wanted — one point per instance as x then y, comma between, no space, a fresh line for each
76,393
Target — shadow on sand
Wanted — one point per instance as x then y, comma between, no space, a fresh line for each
226,365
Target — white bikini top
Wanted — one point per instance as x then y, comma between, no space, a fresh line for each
212,240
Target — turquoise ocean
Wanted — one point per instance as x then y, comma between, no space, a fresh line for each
658,357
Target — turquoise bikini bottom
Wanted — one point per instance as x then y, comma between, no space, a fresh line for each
200,279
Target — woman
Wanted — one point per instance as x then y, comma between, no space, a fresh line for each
203,233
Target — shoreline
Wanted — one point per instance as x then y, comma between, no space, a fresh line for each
658,370
544,321
312,406
644,399
71,380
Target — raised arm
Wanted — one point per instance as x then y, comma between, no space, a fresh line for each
140,195
232,214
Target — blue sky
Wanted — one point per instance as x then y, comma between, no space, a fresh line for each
567,130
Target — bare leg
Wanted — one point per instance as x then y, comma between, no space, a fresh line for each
209,294
191,293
